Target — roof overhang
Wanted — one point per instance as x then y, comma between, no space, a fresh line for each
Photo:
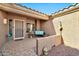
23,11
64,12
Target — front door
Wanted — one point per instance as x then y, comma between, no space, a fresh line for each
18,29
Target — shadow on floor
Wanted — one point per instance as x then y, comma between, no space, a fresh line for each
63,50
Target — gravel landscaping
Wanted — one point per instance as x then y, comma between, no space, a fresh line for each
63,50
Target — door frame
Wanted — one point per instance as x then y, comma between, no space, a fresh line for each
9,26
14,29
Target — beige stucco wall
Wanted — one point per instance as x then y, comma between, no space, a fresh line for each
3,28
38,24
47,42
15,16
48,27
70,33
20,17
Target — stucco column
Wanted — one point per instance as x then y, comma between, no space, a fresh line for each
38,24
3,28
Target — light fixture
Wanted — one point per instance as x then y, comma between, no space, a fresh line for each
5,21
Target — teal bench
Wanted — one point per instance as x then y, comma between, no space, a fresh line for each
39,33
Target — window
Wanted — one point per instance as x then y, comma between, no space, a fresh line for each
29,27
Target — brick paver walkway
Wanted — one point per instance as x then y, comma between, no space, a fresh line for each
24,47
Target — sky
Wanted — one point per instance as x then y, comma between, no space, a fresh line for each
46,8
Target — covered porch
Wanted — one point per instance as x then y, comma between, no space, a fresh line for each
17,21
21,29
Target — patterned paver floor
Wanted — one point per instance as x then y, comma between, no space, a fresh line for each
24,47
63,50
27,47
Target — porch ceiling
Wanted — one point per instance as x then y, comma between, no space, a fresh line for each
23,11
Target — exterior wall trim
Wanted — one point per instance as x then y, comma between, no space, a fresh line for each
74,9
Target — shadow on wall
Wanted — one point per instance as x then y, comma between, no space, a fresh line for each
54,32
48,27
63,50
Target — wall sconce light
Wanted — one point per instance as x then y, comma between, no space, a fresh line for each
5,21
61,28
